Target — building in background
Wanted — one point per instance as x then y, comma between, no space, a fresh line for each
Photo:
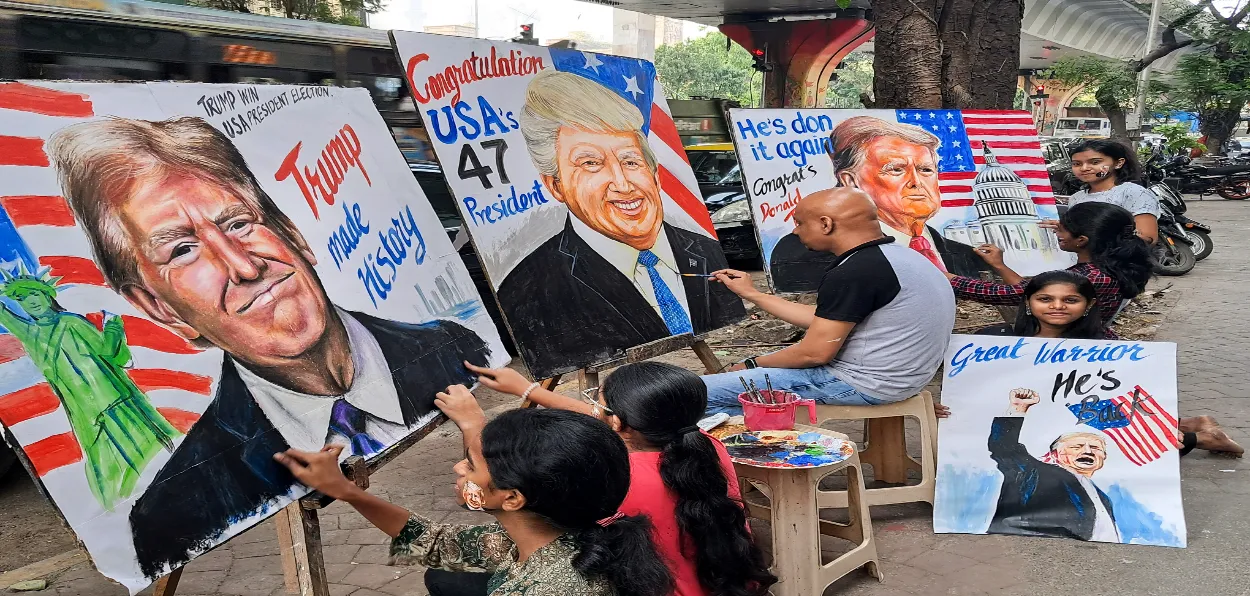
669,32
633,34
460,30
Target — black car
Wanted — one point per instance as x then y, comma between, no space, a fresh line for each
720,182
1059,166
430,176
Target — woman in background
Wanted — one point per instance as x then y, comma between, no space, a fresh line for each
1108,253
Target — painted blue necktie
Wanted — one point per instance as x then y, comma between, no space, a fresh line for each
349,421
670,308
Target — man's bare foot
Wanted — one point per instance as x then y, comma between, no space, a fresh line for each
941,411
1217,441
1195,424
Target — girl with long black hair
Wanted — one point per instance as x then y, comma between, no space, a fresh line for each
682,479
553,480
1064,304
1108,253
1110,173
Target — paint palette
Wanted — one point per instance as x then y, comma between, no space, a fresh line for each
787,449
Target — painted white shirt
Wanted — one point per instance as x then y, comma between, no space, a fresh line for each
1104,526
625,259
304,420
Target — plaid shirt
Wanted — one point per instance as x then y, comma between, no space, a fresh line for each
996,294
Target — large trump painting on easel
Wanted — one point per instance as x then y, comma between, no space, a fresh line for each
944,182
576,191
195,277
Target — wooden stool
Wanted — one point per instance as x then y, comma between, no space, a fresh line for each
795,518
886,449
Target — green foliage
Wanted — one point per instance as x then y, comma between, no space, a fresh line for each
703,67
1207,81
854,78
1176,137
342,12
1110,81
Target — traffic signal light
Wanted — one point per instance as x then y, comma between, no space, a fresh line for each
527,35
1039,90
760,56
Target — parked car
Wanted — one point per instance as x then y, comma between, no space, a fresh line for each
430,176
1059,165
716,169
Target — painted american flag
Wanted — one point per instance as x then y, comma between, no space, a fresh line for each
1011,135
1143,433
635,80
38,231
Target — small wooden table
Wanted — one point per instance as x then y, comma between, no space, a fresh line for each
795,517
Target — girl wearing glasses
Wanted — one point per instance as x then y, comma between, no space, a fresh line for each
680,477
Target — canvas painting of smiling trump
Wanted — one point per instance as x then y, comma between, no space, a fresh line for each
196,277
576,191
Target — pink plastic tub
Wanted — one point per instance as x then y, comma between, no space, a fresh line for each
779,416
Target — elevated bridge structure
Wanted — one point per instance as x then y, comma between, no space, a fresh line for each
806,39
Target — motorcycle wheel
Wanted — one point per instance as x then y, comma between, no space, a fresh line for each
1201,246
1238,192
1173,258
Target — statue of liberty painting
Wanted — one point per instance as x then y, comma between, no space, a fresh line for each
118,429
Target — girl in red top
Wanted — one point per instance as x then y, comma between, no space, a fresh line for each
680,477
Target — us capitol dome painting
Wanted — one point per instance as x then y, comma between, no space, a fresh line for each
1005,214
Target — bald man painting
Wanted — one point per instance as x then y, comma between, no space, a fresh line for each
880,325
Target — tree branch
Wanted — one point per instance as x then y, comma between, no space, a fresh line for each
1159,53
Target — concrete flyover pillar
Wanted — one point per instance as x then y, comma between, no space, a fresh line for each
803,54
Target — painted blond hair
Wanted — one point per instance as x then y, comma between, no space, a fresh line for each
848,141
554,99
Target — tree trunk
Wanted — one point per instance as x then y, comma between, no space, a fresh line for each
1115,113
965,55
1218,125
907,62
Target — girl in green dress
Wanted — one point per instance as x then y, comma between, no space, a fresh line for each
117,428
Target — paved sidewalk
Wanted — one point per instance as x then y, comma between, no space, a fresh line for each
1211,324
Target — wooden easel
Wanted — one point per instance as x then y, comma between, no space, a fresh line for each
589,377
299,526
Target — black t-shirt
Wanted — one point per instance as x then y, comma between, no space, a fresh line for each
859,282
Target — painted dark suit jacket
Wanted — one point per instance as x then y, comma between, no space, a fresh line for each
568,307
224,472
795,268
1037,498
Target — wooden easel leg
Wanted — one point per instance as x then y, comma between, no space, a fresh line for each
548,384
299,539
586,380
168,585
710,362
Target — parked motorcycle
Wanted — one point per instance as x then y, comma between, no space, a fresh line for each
1197,232
1226,177
1173,251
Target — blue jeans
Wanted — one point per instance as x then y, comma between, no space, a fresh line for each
818,383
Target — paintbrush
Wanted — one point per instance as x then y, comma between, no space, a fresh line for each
750,396
703,275
768,383
759,396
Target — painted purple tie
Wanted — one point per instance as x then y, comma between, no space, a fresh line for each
349,421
